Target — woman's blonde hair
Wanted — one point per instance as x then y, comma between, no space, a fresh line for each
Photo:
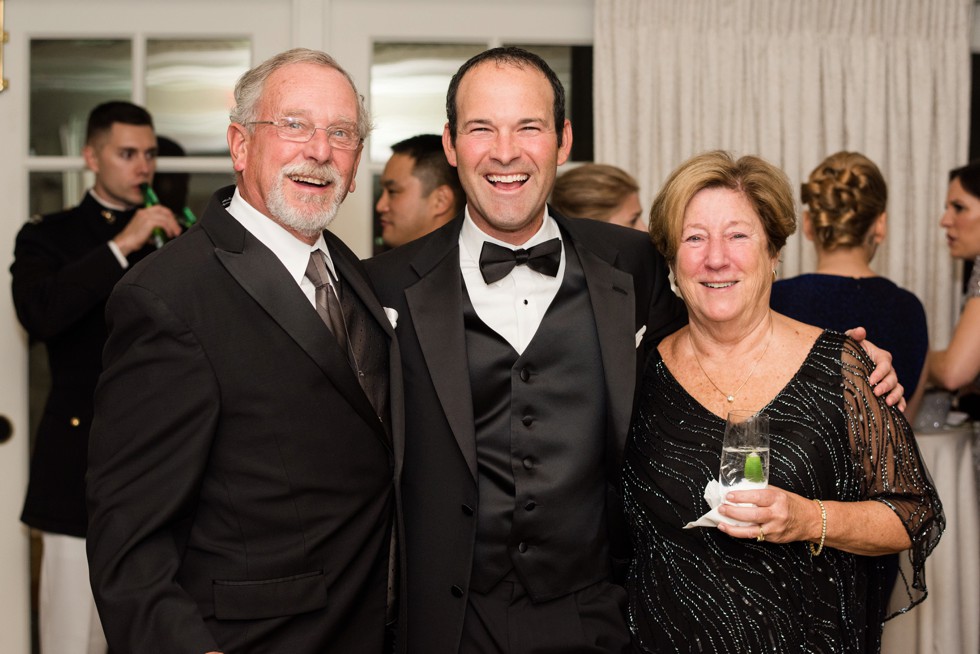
764,185
592,191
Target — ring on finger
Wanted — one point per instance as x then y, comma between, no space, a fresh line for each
762,535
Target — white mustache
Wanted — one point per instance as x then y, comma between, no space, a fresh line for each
324,174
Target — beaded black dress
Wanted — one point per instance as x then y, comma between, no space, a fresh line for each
699,590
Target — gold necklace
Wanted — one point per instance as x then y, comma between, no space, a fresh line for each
731,396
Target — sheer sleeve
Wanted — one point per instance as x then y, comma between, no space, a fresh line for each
885,451
973,286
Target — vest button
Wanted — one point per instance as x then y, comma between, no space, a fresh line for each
522,548
467,509
528,463
527,420
525,374
530,506
74,422
456,591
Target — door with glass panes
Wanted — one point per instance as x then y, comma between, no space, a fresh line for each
178,59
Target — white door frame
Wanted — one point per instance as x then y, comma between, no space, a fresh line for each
269,24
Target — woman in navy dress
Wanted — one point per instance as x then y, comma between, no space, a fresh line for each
844,216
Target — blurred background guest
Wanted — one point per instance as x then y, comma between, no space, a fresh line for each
172,188
958,366
600,192
844,216
847,482
420,191
65,265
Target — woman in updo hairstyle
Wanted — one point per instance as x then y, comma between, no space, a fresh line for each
846,197
844,216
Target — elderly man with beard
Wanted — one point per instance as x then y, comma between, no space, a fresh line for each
247,428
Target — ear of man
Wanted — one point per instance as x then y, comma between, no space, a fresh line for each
441,200
237,145
91,161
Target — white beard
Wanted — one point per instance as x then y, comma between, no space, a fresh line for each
318,212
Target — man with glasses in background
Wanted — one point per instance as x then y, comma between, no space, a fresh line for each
246,436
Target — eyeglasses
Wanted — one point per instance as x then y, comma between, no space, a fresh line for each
342,137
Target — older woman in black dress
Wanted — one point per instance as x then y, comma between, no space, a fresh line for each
846,479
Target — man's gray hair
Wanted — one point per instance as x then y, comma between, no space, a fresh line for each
248,90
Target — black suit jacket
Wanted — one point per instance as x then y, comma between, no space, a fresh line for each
241,487
629,291
63,272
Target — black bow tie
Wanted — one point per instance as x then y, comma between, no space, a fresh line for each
496,262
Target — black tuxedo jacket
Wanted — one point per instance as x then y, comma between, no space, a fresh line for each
241,487
630,295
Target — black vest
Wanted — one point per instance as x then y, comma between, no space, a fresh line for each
540,439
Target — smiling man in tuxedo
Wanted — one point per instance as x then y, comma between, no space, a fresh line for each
246,433
521,334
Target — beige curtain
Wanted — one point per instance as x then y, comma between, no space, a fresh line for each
793,81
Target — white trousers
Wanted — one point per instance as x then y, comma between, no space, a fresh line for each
68,622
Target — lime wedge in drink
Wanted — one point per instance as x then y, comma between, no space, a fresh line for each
753,467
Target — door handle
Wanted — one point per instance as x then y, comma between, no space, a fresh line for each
6,430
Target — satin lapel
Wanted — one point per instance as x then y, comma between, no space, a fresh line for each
355,281
396,404
436,305
354,278
261,274
613,305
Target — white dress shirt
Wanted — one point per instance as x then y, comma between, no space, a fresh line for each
120,257
292,252
515,305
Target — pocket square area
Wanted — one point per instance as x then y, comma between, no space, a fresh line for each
392,316
639,335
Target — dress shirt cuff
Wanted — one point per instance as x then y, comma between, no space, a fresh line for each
119,255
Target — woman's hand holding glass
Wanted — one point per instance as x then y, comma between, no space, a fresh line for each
781,516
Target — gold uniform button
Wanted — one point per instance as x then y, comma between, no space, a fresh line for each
75,422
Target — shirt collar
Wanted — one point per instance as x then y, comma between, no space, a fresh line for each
115,206
472,238
292,252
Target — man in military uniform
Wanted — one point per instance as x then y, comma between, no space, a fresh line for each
65,265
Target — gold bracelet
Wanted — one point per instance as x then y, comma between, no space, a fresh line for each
815,551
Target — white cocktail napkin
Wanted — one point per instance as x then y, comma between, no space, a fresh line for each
712,495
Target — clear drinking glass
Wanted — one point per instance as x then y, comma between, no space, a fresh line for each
745,452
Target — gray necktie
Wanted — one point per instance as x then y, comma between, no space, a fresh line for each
327,303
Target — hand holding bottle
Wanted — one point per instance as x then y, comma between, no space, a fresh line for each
142,226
